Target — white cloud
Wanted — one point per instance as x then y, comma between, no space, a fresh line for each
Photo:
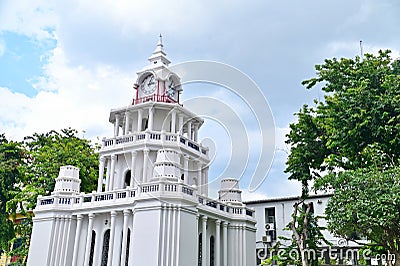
68,97
250,196
33,18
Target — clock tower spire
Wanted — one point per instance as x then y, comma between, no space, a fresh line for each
156,82
159,56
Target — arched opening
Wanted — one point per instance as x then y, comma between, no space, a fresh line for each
145,124
212,251
93,242
200,255
106,246
127,181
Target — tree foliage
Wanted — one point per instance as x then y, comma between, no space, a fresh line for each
367,203
44,154
302,248
349,143
358,123
11,160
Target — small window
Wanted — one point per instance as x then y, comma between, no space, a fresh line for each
200,255
127,178
106,245
212,251
92,248
128,242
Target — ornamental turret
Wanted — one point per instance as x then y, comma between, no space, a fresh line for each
230,192
68,180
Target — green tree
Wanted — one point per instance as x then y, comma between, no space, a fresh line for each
355,128
367,203
46,153
302,248
358,121
11,160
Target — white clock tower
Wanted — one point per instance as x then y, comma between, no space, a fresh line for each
151,206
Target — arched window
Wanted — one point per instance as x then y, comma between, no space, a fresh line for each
92,248
200,255
128,242
128,178
106,245
212,251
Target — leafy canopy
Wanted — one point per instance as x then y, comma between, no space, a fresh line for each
350,143
358,123
37,171
12,157
366,202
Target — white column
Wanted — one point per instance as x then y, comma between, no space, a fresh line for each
112,236
127,118
101,174
196,131
174,210
225,243
218,243
205,180
60,239
180,125
65,241
55,239
89,239
173,122
186,169
133,126
130,262
108,175
124,236
112,174
139,120
79,218
244,246
199,177
151,115
145,163
237,257
52,230
189,130
133,169
240,245
116,125
204,241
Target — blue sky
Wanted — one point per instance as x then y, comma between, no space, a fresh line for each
68,63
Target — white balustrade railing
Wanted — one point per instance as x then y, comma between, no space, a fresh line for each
154,189
155,136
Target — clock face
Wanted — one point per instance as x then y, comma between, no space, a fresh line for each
171,88
148,85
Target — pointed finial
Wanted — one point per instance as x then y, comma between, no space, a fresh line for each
160,39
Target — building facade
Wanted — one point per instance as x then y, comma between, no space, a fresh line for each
273,215
151,206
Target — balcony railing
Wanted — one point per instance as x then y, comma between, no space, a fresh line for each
154,98
127,195
155,136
